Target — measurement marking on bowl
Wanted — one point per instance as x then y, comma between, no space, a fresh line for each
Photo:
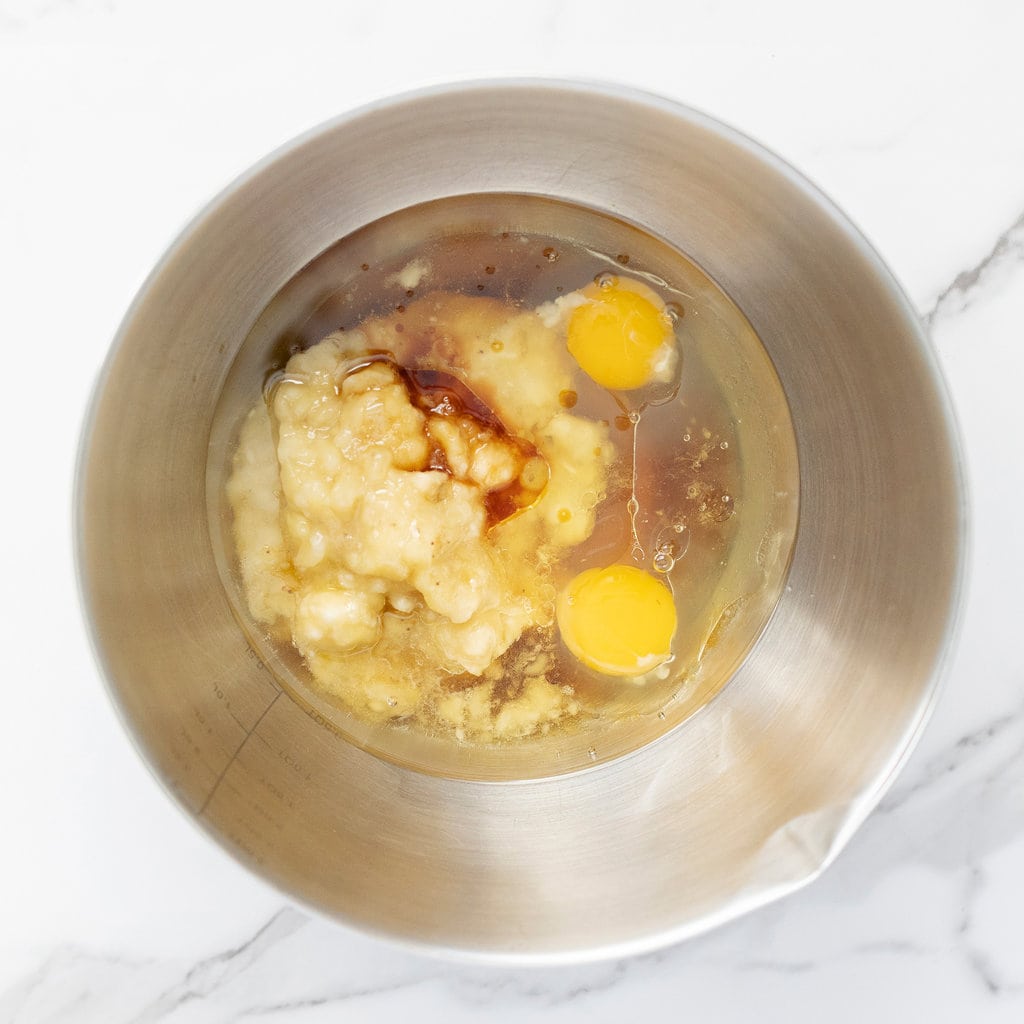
221,695
238,750
245,846
254,656
326,723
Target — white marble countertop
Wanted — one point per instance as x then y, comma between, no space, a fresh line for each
119,119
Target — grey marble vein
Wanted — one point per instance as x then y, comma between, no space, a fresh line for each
287,1008
71,981
959,293
894,947
966,749
210,974
978,963
550,988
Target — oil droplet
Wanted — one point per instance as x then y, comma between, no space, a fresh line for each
564,515
392,702
567,398
488,270
675,311
534,475
497,346
622,422
364,266
550,254
661,715
606,280
622,258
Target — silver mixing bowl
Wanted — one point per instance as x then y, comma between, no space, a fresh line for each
747,800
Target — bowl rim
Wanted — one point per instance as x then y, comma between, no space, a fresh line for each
855,813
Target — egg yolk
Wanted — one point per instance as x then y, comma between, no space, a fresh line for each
619,621
619,335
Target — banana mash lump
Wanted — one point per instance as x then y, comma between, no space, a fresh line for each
401,502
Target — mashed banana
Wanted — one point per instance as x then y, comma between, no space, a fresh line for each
407,548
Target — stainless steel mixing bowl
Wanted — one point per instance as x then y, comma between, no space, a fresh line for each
744,802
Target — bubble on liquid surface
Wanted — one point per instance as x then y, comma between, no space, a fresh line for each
671,542
664,560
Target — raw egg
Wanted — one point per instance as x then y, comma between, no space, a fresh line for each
622,336
619,621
